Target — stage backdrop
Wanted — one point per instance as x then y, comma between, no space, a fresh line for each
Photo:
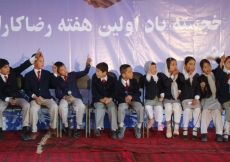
130,31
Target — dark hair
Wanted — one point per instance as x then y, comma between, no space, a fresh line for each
103,67
123,68
153,63
59,64
228,57
202,62
3,63
187,59
168,61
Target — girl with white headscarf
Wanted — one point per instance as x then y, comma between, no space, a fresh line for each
171,82
154,95
209,90
223,77
190,95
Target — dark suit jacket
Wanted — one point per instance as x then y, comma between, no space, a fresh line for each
153,89
63,87
100,90
188,90
121,91
40,88
10,89
166,84
207,93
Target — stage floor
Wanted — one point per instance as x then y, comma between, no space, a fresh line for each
155,148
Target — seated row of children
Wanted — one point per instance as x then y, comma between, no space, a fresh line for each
201,96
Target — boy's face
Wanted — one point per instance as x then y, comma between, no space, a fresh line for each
227,64
190,66
39,63
62,71
207,69
173,66
128,74
153,69
5,70
100,74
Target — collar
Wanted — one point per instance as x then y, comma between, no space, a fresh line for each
105,78
124,82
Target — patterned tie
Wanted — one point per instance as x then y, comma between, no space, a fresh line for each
103,81
66,79
126,85
38,75
6,78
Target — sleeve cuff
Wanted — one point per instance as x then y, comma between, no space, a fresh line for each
7,99
197,97
33,95
179,91
32,59
162,95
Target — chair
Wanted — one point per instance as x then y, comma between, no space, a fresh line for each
83,84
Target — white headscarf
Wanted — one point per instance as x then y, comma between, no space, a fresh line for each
148,76
174,86
184,71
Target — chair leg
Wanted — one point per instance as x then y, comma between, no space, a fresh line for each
89,123
86,122
147,133
57,125
60,124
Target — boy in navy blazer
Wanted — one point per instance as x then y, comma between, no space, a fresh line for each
127,93
9,92
37,83
103,97
68,92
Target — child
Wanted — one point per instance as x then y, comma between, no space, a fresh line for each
103,96
171,81
223,71
67,82
9,92
154,95
37,84
190,96
211,106
127,93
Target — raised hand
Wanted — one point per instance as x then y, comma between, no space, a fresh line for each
38,54
89,60
101,3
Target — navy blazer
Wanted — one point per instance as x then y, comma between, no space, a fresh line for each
166,84
40,88
207,93
100,90
63,87
188,90
222,78
121,91
11,89
153,89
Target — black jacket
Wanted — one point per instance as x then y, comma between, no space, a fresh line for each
11,89
100,90
153,89
121,91
188,90
166,84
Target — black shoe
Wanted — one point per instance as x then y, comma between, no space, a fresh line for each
185,137
25,137
137,132
121,132
113,134
1,136
77,133
194,137
219,138
68,132
97,132
225,139
204,138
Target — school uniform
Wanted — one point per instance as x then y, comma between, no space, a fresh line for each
210,104
153,91
223,77
170,103
104,87
190,91
9,89
69,84
37,82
